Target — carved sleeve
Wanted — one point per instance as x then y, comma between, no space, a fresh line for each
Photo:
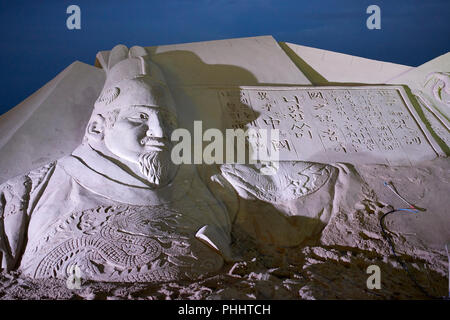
292,180
15,195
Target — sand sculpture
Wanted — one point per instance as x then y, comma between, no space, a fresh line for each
120,210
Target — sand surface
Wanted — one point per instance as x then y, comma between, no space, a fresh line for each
332,267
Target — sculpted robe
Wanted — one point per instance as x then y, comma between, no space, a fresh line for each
109,224
114,228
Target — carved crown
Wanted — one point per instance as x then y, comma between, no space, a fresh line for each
132,79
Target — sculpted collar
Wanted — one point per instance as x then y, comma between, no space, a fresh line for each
103,177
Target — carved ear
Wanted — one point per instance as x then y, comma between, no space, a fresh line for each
96,127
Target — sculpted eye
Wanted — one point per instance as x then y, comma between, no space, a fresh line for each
138,118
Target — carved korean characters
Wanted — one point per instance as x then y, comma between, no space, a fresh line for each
332,124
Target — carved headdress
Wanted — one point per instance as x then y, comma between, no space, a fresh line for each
132,79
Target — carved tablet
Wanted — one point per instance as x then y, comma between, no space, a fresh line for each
376,124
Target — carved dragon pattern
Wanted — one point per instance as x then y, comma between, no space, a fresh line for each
124,243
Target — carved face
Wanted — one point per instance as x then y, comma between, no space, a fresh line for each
141,134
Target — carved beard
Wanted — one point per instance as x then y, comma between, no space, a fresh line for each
156,167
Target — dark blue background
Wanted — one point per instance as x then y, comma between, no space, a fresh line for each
36,45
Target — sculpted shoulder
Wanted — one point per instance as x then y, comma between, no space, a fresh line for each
18,192
17,197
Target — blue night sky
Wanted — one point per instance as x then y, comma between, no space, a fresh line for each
36,44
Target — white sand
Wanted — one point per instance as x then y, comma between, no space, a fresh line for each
332,268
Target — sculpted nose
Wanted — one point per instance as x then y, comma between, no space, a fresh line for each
155,128
155,131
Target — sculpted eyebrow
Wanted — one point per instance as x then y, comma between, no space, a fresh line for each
146,107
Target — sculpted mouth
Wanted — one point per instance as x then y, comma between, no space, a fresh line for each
152,144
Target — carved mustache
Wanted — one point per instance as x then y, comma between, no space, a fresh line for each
154,142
